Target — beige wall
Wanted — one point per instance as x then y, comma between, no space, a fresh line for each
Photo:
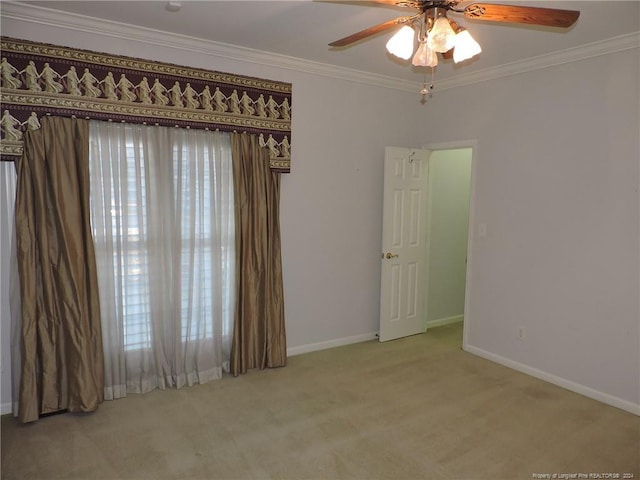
556,183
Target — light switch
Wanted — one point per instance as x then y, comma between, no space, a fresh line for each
482,230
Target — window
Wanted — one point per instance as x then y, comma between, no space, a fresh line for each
162,220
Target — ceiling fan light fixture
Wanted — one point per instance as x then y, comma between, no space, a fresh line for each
465,47
441,37
424,57
437,34
401,44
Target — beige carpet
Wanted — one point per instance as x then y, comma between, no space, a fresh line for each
416,408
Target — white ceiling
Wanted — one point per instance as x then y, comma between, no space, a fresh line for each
303,28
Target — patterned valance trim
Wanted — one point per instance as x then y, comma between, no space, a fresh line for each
41,79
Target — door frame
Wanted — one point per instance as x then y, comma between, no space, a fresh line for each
456,144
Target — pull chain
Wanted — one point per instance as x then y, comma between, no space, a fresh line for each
427,90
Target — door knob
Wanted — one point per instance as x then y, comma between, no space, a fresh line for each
391,255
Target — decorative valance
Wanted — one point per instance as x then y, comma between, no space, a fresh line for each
41,79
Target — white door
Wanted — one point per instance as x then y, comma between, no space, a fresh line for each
403,274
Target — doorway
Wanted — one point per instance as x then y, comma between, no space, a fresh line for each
449,195
425,225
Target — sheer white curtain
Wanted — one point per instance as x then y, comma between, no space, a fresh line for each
163,226
9,284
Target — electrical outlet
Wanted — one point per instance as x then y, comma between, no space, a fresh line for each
521,333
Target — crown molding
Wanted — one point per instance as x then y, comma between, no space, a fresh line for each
108,28
583,52
81,23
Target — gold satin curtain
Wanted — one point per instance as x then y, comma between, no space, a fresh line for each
259,339
61,340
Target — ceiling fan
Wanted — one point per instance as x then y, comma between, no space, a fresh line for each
438,34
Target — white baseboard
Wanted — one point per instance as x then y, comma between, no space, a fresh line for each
444,321
5,408
559,381
338,342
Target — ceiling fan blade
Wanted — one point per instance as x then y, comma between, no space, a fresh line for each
395,3
448,54
550,17
367,32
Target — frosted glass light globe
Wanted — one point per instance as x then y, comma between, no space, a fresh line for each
401,44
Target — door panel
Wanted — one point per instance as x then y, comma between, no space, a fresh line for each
403,278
